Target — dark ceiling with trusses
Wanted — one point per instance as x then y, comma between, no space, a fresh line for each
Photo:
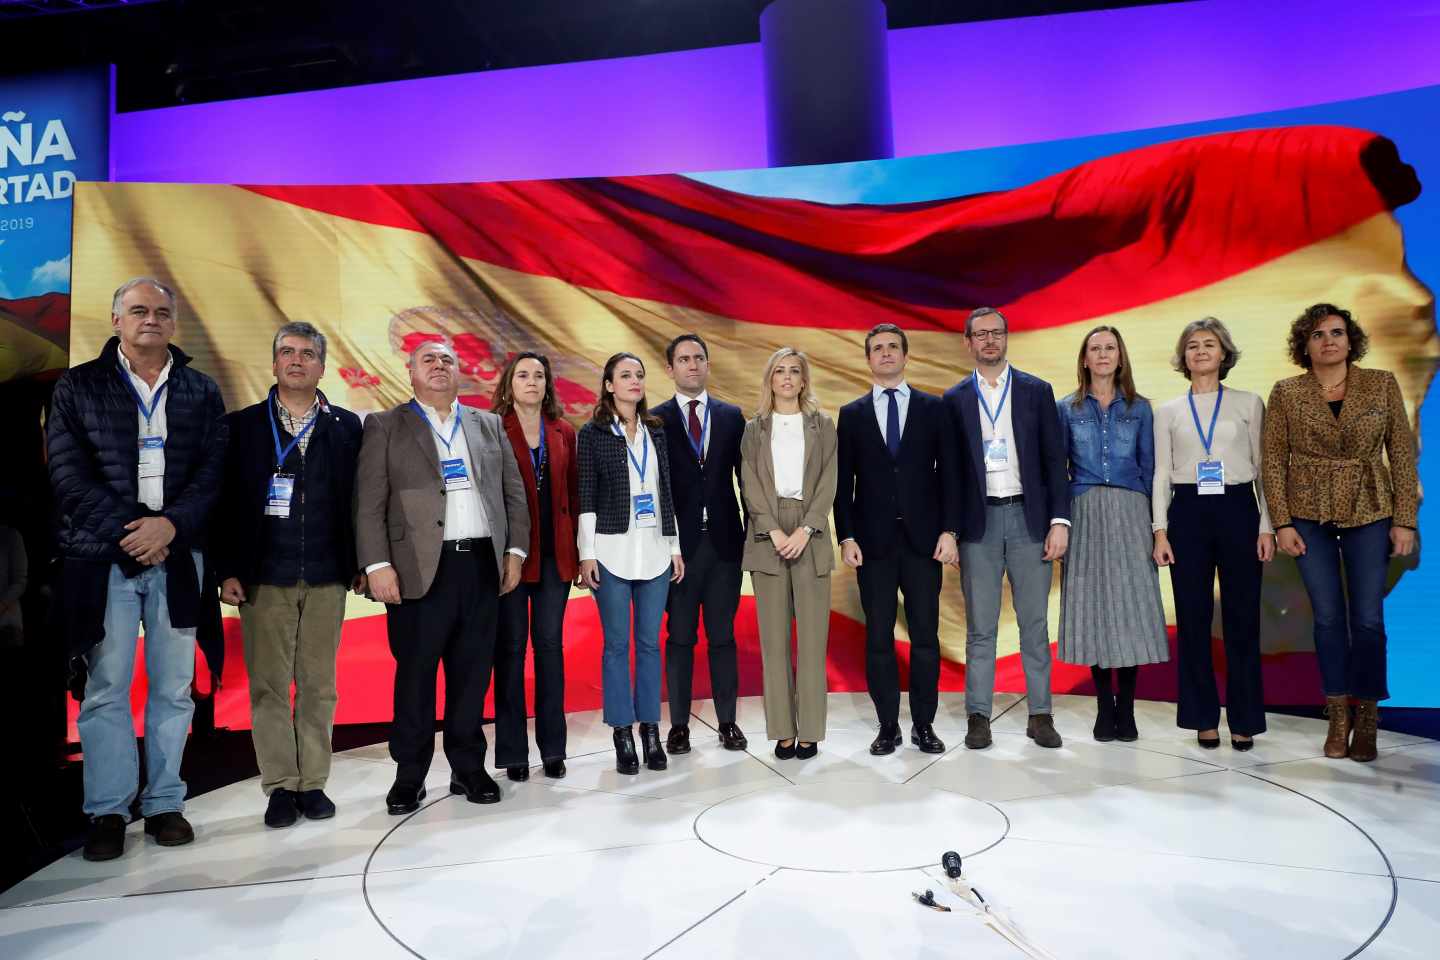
170,52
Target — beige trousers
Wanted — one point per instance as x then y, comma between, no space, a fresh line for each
794,700
292,635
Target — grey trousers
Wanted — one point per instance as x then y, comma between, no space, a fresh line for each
1005,550
292,635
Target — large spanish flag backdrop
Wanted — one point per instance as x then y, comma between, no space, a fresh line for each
1250,225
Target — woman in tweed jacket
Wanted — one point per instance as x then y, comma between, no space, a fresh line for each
629,551
1332,498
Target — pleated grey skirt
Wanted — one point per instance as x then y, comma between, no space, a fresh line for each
1110,609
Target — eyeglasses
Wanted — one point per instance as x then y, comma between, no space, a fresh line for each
988,335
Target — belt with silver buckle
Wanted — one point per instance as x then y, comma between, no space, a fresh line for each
464,545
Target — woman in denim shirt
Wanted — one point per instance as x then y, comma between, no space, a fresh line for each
1111,616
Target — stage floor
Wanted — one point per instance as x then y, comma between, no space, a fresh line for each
1151,849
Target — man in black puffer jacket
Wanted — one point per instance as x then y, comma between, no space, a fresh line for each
136,447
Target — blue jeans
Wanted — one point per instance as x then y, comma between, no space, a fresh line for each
1350,645
626,703
107,732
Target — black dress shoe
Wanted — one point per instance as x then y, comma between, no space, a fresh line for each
731,737
625,759
281,811
923,736
886,740
1208,743
679,739
555,769
404,797
804,751
169,829
977,736
784,751
315,805
106,839
654,751
477,786
519,773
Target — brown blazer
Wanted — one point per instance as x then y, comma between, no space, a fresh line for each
1332,470
757,486
564,494
400,499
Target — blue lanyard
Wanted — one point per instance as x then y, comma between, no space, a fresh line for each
640,464
537,455
454,426
1214,418
146,412
699,449
282,455
995,417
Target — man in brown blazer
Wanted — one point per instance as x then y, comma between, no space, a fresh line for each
441,526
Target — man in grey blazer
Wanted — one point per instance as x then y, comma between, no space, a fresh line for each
441,525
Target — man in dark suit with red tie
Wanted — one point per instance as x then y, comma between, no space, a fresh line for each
896,518
703,440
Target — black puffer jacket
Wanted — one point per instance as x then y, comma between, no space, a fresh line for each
93,441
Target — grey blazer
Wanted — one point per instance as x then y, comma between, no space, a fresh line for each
757,486
400,498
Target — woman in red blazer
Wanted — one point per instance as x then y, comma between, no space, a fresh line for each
545,450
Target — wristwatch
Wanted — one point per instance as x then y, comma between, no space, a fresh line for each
810,530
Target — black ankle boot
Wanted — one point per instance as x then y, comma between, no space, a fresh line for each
1104,717
625,759
654,750
1125,729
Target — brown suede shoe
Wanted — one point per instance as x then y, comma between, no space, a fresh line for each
977,736
1362,744
1337,740
1041,729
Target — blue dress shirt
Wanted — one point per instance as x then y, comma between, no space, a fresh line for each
1114,447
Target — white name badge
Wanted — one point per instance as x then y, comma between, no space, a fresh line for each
282,489
152,457
1210,476
454,474
644,509
997,455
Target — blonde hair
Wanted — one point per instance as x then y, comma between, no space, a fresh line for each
808,402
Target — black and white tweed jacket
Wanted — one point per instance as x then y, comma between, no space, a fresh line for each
605,478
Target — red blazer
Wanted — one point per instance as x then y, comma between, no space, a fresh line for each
564,494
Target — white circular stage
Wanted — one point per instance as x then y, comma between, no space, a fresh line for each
1150,849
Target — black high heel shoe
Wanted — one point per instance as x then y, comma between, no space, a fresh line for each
625,759
655,758
1242,745
1208,743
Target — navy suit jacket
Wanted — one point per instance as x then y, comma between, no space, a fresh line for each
880,499
1038,445
711,488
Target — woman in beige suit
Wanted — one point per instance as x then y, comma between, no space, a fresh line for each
788,472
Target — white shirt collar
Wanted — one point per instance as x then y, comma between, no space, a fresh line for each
434,412
999,382
164,371
902,391
683,402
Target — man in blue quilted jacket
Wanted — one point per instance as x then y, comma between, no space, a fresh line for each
136,447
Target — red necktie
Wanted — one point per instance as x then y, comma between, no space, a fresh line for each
697,434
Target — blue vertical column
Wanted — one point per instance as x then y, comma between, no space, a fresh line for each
827,81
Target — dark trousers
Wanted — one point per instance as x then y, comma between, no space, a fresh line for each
918,577
710,590
453,625
1350,645
1213,533
533,611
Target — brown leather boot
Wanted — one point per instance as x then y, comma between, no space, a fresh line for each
1362,745
1337,741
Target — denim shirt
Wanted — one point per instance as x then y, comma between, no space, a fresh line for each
1114,447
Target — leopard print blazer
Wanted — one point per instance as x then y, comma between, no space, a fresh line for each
1333,469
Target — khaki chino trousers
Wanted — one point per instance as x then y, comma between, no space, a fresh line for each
794,699
292,635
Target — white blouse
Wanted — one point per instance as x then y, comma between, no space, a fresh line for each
787,453
640,553
1237,444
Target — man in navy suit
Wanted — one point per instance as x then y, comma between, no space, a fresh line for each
703,439
1014,519
896,517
